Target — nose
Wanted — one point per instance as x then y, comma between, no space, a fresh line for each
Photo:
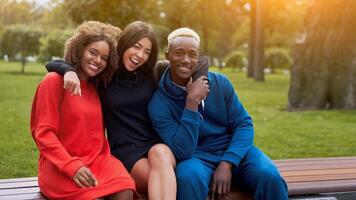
98,59
186,58
140,54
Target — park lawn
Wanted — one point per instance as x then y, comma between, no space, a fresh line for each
281,134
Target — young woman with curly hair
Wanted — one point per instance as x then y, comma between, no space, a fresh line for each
124,103
75,160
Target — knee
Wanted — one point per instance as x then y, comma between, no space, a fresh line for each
188,175
161,155
271,176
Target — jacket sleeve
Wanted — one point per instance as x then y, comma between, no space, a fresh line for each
45,124
202,67
180,134
240,123
59,66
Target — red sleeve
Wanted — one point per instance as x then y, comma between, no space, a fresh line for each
45,124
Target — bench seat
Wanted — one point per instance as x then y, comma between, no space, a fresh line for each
304,177
319,175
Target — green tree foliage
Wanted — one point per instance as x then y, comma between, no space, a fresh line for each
284,21
118,13
215,21
52,44
222,24
236,59
22,40
277,58
16,12
56,18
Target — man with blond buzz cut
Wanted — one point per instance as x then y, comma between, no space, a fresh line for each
208,130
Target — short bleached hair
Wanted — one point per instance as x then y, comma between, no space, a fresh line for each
182,32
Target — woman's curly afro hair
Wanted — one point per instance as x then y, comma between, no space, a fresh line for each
87,33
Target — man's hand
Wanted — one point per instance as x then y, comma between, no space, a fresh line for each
84,178
220,183
196,92
72,83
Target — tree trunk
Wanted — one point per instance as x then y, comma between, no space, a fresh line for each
256,46
323,74
251,45
259,41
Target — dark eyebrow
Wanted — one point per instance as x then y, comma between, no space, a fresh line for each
93,49
139,44
142,46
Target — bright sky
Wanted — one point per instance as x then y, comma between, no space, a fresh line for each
40,3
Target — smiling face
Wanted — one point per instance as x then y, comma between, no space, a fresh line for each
136,55
183,55
94,59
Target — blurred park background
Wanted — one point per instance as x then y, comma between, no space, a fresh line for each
292,62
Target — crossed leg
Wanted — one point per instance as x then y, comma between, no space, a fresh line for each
155,174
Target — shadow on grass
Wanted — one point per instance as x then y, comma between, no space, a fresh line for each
17,73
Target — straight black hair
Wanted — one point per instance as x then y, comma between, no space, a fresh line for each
132,34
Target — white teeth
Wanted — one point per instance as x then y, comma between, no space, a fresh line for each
93,66
136,62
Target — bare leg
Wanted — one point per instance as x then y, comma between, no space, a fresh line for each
122,195
140,172
162,174
155,174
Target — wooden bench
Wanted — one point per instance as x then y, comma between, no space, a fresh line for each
20,188
303,176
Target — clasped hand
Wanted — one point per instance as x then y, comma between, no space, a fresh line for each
84,178
221,180
198,90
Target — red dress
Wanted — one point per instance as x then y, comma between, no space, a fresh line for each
69,133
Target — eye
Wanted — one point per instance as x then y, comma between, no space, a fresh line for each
106,59
148,52
193,55
179,53
92,52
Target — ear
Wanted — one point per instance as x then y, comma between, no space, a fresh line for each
166,54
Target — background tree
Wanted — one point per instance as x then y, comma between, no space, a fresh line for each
324,71
215,21
277,58
17,12
52,44
118,13
20,40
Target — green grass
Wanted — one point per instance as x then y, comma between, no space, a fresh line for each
284,134
18,153
281,134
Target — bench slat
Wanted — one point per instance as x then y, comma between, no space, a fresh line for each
335,177
303,188
37,196
319,172
19,184
313,161
19,191
18,180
